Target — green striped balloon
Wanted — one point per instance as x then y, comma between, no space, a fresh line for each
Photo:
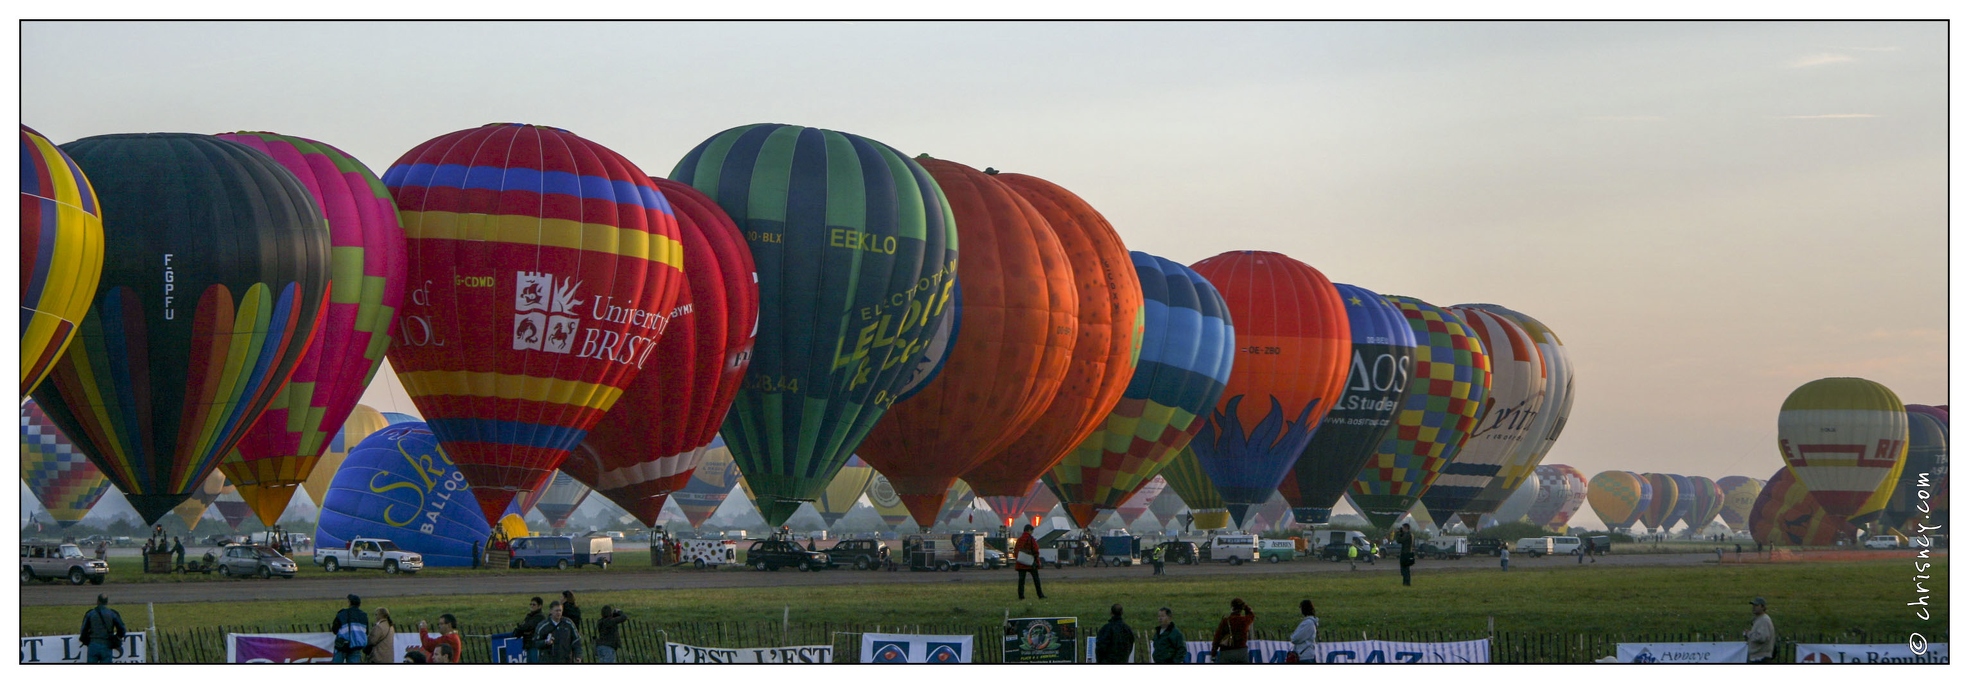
857,258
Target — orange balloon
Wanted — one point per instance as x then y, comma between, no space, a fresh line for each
1104,353
1020,317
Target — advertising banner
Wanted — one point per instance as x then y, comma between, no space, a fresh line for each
1042,640
772,655
1131,649
1262,651
309,647
1685,652
1364,652
68,648
507,649
915,648
1866,653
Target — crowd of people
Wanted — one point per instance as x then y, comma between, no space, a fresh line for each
550,632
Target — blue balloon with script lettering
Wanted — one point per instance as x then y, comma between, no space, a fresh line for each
398,485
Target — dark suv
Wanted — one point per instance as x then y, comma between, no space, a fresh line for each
773,554
1178,552
864,554
1485,547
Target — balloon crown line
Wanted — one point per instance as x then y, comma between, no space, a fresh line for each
528,125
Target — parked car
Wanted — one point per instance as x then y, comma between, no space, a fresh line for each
1179,552
1238,549
1337,551
244,560
370,553
995,559
1601,544
773,554
863,554
1275,550
1883,541
1444,548
542,552
1485,547
49,561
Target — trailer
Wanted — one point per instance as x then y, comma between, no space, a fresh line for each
1120,549
708,553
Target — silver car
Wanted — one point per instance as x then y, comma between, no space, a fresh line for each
244,560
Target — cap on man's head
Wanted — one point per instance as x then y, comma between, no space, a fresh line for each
1757,601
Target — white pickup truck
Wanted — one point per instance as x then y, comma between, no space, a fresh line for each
375,554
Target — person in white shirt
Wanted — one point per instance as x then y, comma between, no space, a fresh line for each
1305,639
1762,637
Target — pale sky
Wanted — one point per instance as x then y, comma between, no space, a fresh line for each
1709,214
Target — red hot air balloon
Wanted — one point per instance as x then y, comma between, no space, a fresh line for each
1293,348
1018,322
543,270
651,442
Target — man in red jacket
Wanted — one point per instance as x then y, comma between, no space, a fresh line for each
1025,558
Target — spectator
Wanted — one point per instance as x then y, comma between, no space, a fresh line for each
102,631
447,636
444,653
1406,539
351,629
1504,557
178,550
1353,553
102,549
415,658
1115,643
560,642
1761,636
573,612
1231,642
477,554
1025,559
382,638
608,634
1157,556
527,628
1305,638
1167,646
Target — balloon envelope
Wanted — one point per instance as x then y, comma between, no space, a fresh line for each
887,503
1685,497
1705,502
1452,377
1555,494
215,279
1188,480
361,423
1377,381
58,475
709,485
845,230
842,494
1617,497
1927,464
1518,506
559,497
61,238
1661,501
1739,494
1842,438
398,484
1546,423
1517,391
1786,513
1137,504
192,509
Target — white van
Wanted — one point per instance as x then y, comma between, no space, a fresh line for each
1236,548
1318,539
1883,541
1546,546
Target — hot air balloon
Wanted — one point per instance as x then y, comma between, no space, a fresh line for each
361,423
400,418
1187,349
1293,351
1927,463
396,484
1383,363
1555,494
215,279
1618,498
232,507
192,509
366,259
1188,480
1739,494
1138,503
957,502
1037,501
1108,343
1705,502
1452,378
58,475
648,445
1575,496
844,230
887,503
61,236
1684,501
559,497
1657,516
1786,513
1517,506
709,485
841,495
546,267
1021,320
1546,425
1842,438
1517,391
1166,507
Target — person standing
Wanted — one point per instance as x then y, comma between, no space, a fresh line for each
1406,541
102,549
102,631
608,634
382,638
560,642
1025,559
351,630
1762,637
478,554
1115,643
1167,646
1231,643
1158,555
447,638
573,612
178,551
1305,638
528,628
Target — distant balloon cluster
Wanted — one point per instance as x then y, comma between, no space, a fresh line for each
788,311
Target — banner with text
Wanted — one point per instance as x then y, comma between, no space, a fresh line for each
1684,652
1883,654
1042,640
915,648
308,647
507,648
1365,652
1261,651
68,648
773,655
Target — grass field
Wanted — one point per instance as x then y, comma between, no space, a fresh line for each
1823,597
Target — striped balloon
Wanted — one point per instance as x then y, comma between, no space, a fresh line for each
1927,463
193,508
857,255
886,501
1685,498
1188,480
1561,489
1377,383
546,268
1138,503
1739,494
709,485
367,258
559,497
1187,343
1517,392
1786,513
1617,497
216,277
1294,349
58,475
1842,438
1705,503
1452,379
361,423
1517,506
841,495
1550,419
1659,514
61,236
